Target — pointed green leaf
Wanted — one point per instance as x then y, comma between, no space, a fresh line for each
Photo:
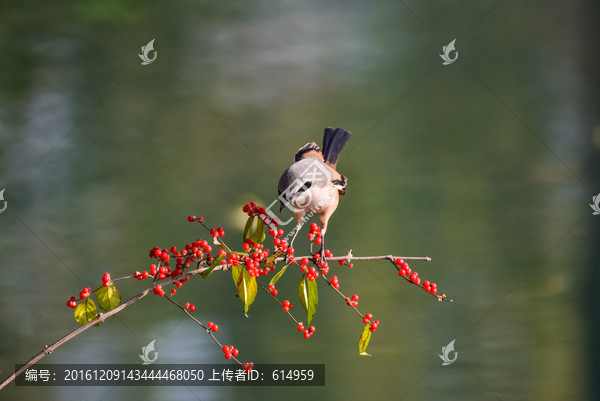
364,339
235,273
272,258
86,311
248,227
259,234
108,297
246,286
309,297
214,264
278,275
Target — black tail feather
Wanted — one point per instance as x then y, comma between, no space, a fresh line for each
333,143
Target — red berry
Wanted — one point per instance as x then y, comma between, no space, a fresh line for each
191,218
187,305
354,297
351,265
83,295
215,328
369,316
192,307
210,324
300,327
402,272
311,329
235,352
105,277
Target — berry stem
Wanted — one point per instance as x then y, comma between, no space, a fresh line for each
208,331
277,300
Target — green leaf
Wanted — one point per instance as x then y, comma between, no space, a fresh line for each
278,275
272,257
108,297
363,341
309,297
248,227
86,311
246,286
214,264
259,233
255,229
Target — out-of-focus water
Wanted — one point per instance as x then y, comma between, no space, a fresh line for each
486,165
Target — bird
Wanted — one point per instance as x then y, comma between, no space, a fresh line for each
312,184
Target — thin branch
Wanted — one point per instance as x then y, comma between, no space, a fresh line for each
48,349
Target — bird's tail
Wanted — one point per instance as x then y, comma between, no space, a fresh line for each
333,143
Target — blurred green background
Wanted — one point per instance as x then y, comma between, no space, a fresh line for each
486,165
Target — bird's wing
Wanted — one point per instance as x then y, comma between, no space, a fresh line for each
311,149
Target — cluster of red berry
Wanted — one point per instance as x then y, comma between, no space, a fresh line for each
213,327
192,219
158,290
72,302
253,262
335,282
287,305
217,232
345,262
311,272
281,245
352,301
247,366
314,234
190,307
273,290
404,270
323,265
250,244
307,332
230,352
85,293
252,209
